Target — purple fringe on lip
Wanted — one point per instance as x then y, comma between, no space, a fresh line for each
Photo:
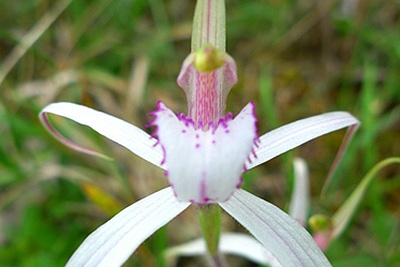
189,122
223,121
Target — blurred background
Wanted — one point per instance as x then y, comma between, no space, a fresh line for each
295,58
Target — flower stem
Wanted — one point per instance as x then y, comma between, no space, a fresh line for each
210,222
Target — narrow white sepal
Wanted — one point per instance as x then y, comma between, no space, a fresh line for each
279,233
113,242
300,199
229,243
119,131
287,137
205,166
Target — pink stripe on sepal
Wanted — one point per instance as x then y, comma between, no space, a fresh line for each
48,126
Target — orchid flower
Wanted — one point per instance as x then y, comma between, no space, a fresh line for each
204,154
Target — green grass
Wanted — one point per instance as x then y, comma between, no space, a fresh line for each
294,60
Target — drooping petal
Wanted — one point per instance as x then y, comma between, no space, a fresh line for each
230,243
300,199
113,242
287,137
280,234
119,131
205,166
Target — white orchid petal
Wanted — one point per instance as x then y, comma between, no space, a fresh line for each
300,199
192,248
119,131
113,242
247,247
287,137
229,243
280,234
205,166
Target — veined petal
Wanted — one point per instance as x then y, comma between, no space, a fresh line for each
294,134
229,243
300,199
205,166
113,242
280,234
119,131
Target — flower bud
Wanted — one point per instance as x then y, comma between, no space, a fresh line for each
320,222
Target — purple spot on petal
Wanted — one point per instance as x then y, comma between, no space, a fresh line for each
213,141
154,134
226,131
183,131
254,153
249,159
240,182
197,145
165,155
197,136
245,168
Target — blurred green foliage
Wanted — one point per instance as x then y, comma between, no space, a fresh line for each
295,58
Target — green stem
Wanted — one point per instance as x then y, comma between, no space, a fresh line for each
210,222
